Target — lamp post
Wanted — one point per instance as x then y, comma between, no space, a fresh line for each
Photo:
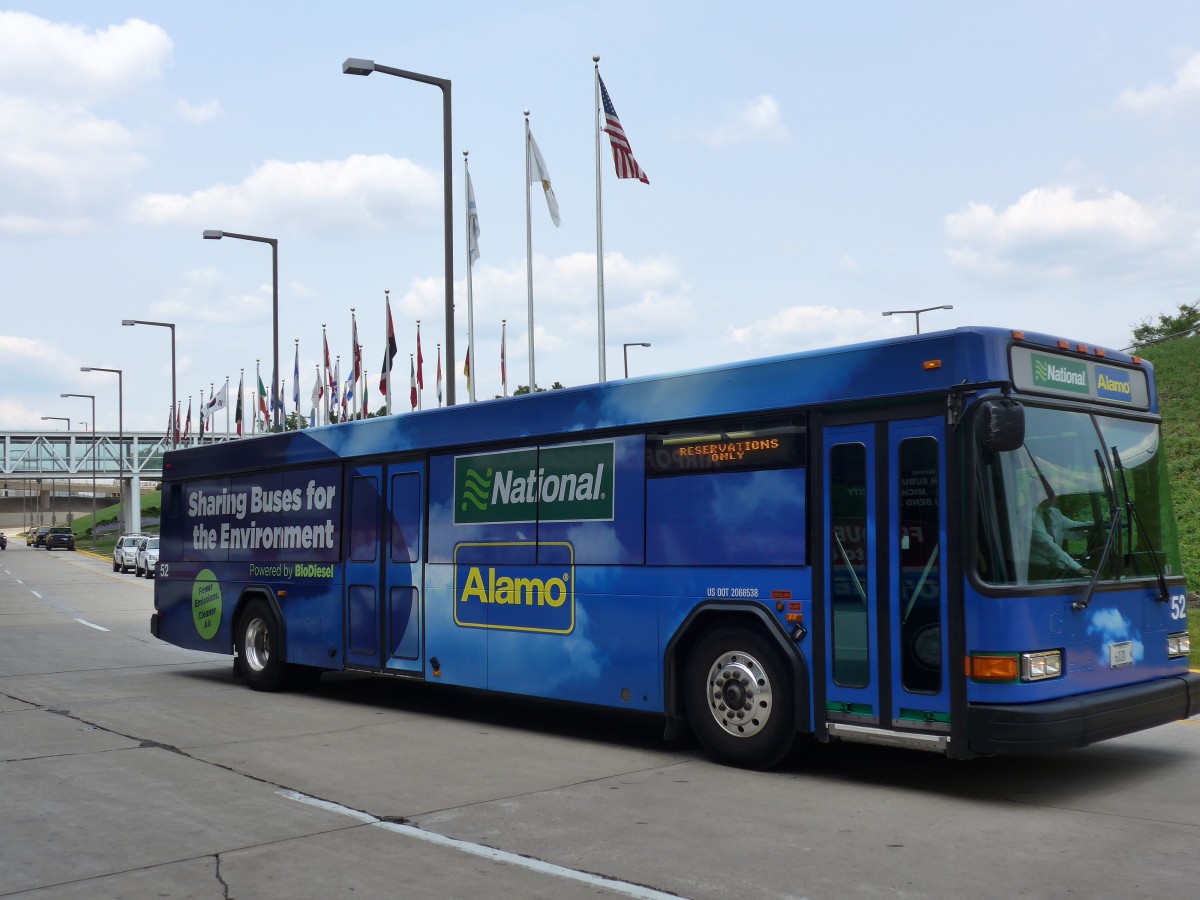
174,410
91,397
366,67
53,514
120,439
625,353
211,235
917,312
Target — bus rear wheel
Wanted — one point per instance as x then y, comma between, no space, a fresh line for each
739,699
258,651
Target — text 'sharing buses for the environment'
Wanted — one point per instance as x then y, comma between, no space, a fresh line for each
960,541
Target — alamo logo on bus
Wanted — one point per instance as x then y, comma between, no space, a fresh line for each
1114,384
1060,374
573,483
492,592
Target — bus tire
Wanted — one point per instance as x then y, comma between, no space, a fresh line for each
738,697
258,650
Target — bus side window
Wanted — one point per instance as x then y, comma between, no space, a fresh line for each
364,518
406,517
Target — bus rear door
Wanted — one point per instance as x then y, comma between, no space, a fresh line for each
383,590
886,672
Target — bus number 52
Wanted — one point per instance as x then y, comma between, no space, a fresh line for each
1179,606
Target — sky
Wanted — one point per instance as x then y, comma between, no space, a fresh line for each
811,166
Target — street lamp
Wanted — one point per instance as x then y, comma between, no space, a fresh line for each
625,353
917,312
174,411
53,514
211,235
91,397
120,439
366,67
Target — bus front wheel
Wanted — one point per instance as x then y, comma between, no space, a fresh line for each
738,698
258,653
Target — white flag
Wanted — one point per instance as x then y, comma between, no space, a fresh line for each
472,224
538,172
219,400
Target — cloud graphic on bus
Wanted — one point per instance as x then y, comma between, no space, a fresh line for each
477,489
1114,628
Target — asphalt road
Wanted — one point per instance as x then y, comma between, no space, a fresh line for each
130,768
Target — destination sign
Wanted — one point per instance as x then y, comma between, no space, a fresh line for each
767,446
1078,378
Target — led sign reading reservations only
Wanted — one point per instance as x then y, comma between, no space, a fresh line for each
768,446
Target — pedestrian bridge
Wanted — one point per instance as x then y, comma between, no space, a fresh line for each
34,455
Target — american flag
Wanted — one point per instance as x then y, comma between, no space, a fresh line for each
627,166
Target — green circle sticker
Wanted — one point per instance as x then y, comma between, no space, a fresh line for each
206,603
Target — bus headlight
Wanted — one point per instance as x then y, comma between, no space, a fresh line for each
1042,665
1178,645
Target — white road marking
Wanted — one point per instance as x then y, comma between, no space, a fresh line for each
525,862
91,624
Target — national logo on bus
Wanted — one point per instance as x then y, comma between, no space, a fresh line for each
571,483
1059,374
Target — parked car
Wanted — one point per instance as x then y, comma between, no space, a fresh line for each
125,552
31,536
147,557
60,537
39,535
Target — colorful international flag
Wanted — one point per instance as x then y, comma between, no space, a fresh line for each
389,354
627,166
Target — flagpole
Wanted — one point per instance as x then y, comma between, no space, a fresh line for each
355,356
470,288
325,370
227,431
296,385
529,254
257,382
420,371
599,228
503,357
387,336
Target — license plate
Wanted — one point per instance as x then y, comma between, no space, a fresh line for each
1120,655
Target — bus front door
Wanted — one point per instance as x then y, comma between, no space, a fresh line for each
383,592
884,583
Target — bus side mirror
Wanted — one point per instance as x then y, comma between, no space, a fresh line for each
1001,425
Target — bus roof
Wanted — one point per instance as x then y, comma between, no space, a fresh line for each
913,366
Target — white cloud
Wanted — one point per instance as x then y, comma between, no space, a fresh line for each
1055,232
356,194
69,64
62,166
758,120
198,114
1165,98
802,327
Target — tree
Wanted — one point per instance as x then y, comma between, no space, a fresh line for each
524,389
1168,327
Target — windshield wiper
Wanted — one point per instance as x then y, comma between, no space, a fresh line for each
1164,594
1114,528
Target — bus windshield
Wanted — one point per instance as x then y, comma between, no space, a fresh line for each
1080,482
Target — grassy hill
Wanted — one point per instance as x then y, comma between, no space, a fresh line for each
1179,395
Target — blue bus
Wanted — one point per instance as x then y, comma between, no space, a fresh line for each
959,541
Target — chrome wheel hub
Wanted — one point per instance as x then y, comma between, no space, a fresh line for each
739,694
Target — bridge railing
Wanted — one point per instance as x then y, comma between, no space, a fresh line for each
59,454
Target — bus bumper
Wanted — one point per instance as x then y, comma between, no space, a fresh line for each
1071,722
